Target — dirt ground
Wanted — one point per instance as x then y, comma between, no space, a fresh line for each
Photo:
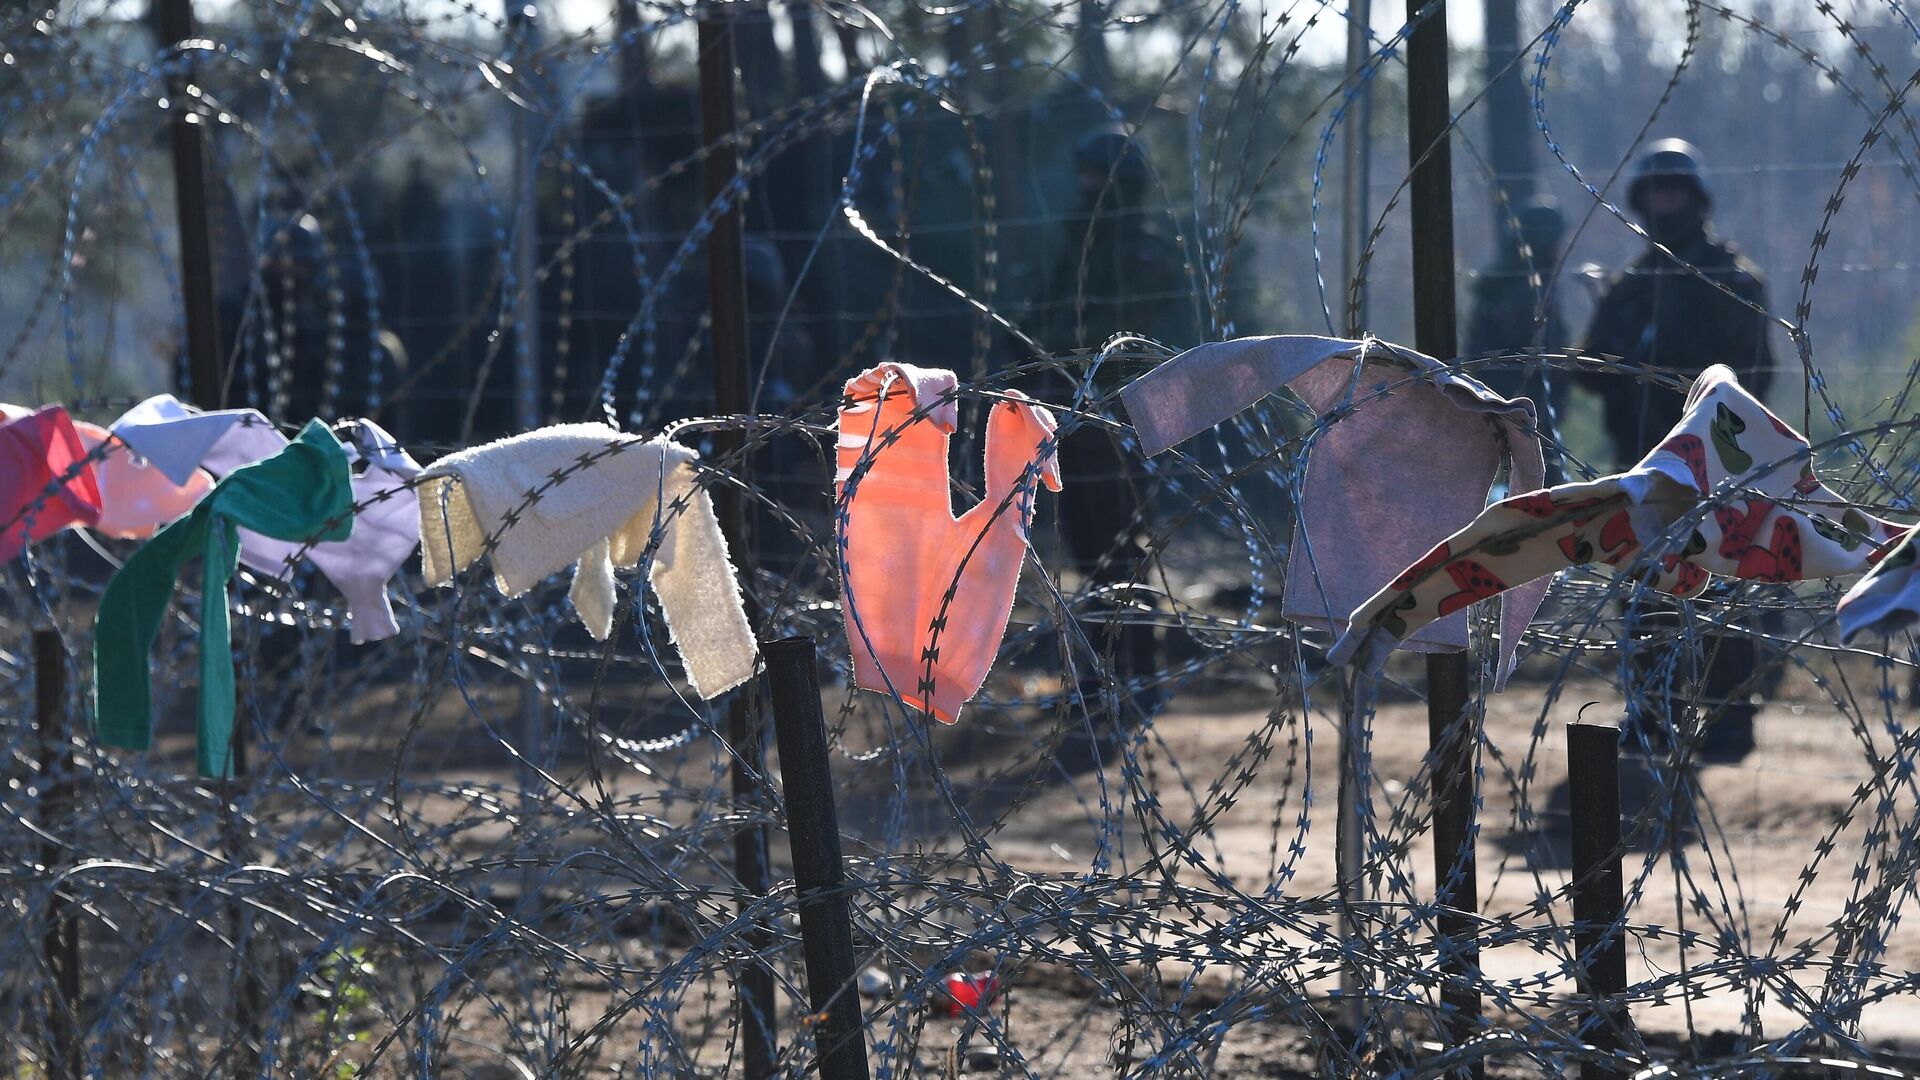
1762,855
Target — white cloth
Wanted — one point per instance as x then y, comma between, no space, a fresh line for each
177,438
587,494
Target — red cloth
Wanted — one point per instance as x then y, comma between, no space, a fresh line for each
41,490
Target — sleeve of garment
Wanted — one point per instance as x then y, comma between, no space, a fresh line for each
593,593
213,752
127,622
699,593
370,606
1209,383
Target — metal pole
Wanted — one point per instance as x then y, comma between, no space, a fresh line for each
1509,130
1593,789
813,832
1358,166
1354,215
205,386
1354,983
524,23
1449,675
727,299
60,940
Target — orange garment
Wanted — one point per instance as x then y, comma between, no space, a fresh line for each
136,498
927,595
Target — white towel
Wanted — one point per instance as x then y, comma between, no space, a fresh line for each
587,494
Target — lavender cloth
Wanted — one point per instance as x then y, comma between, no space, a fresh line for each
386,522
1383,484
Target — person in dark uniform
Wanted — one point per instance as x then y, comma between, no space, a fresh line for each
1509,313
1679,313
1116,272
1669,312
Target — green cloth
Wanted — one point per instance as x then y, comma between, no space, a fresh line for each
300,494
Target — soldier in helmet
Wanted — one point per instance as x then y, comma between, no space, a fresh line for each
1511,312
1116,272
1668,311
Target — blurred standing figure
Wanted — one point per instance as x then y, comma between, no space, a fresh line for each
1662,314
1659,313
1511,313
1116,273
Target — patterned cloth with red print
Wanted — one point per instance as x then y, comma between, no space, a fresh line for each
1775,522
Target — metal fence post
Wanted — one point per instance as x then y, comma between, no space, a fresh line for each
60,940
1449,675
1593,788
813,831
727,298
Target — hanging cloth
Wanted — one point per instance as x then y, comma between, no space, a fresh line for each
1409,456
386,529
588,495
1774,526
928,595
136,499
1887,600
44,484
298,494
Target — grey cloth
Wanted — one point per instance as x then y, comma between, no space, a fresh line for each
1383,484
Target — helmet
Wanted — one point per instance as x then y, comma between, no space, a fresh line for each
1110,151
1541,224
1667,159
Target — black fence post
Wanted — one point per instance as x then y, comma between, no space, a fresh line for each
60,940
813,832
1593,788
727,300
1449,675
205,386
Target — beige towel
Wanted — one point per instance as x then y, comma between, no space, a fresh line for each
587,494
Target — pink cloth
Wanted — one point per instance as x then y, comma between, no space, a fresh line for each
1383,484
136,498
1770,524
37,452
928,595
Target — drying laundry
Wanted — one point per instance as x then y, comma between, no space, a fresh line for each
301,493
177,438
1887,600
386,529
136,498
589,495
928,595
1771,525
46,481
1411,462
